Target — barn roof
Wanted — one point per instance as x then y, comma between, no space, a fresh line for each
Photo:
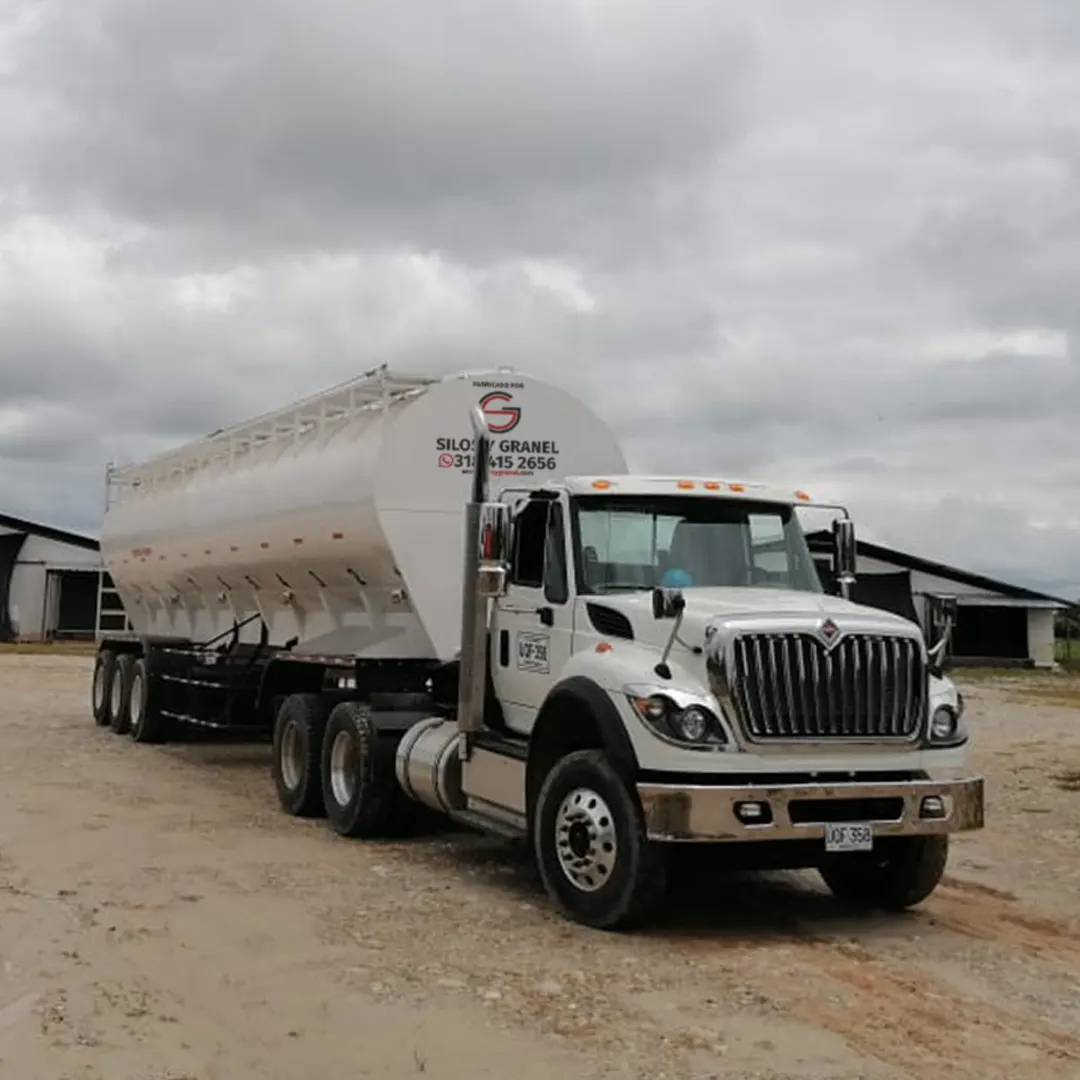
821,541
48,532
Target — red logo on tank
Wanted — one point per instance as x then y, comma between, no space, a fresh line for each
499,413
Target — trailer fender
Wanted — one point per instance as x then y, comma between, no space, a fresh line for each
577,714
282,677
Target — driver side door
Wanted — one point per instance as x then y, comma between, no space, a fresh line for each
533,624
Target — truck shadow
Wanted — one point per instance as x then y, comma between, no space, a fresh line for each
706,899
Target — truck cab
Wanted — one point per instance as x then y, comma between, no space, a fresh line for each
679,628
587,559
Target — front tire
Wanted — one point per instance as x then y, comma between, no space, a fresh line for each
360,788
594,857
902,872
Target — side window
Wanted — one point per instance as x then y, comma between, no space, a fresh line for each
768,547
530,538
556,585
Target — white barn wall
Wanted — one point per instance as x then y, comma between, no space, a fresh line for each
27,596
1041,636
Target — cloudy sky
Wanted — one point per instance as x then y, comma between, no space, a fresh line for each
832,243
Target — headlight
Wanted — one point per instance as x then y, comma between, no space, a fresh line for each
678,717
692,724
945,727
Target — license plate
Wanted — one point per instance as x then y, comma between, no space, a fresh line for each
849,837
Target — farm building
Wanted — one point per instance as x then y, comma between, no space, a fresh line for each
49,582
997,624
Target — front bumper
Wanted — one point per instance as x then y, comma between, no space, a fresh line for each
686,812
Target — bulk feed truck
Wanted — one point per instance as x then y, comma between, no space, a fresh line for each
451,592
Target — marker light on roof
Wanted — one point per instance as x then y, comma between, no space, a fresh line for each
802,496
601,485
711,485
686,485
737,487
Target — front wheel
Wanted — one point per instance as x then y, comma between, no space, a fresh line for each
595,859
900,873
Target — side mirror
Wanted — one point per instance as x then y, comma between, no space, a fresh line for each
947,609
843,535
667,603
944,610
493,554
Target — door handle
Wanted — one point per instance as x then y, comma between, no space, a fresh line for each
547,616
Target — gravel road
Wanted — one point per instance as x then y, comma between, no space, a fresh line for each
161,919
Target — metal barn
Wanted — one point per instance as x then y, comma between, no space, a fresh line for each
51,583
998,624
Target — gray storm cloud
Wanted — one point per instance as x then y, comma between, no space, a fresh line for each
836,244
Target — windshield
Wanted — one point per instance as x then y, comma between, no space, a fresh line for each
678,542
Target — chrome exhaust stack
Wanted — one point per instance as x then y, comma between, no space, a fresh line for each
486,572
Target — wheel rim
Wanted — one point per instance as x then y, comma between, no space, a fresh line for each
135,697
343,771
99,687
292,757
116,695
585,839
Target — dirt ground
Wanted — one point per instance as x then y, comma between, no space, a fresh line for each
161,919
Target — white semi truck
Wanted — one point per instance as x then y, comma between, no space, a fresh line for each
451,592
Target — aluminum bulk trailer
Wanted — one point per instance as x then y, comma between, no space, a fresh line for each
336,522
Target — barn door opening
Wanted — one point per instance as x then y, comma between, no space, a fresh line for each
71,599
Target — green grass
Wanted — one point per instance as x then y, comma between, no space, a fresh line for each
1067,653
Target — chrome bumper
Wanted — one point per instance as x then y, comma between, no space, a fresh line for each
684,812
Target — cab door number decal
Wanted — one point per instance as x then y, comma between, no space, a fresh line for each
532,652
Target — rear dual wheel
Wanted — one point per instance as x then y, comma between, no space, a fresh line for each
104,663
333,761
125,699
297,750
360,788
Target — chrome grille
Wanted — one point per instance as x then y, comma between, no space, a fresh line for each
790,686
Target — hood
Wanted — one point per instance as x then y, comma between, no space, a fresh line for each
749,608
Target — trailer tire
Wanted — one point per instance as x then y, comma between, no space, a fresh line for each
359,782
594,856
297,751
104,663
902,873
120,694
148,724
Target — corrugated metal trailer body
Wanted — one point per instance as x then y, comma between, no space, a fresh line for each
339,519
